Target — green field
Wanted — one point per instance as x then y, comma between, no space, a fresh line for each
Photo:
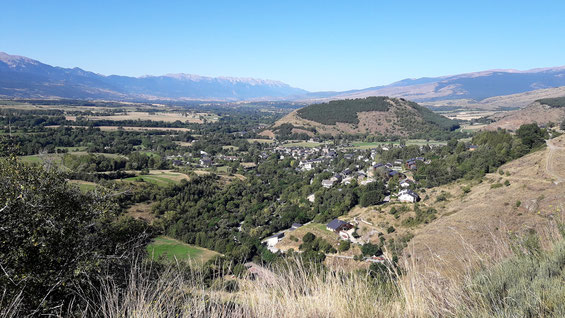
223,169
57,158
108,155
39,159
160,178
84,186
149,153
171,249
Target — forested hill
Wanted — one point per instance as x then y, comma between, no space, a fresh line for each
380,115
557,102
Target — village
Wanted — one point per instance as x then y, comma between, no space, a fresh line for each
334,165
346,165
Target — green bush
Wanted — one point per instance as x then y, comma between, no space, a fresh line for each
370,249
308,237
529,284
344,246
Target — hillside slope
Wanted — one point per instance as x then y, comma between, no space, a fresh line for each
373,115
543,111
473,224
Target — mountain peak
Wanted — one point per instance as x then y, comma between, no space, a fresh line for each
233,80
16,60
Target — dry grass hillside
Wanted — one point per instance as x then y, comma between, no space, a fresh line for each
402,118
526,194
534,113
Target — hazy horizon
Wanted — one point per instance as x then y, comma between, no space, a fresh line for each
320,46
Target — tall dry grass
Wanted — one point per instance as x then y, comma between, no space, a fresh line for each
524,278
293,289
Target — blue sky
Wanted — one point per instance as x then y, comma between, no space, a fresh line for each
315,45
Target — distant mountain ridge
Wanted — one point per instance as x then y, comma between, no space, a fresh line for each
22,77
27,78
475,87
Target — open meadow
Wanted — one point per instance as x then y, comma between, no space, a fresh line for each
170,249
160,177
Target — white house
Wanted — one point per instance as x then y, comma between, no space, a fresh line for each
407,195
406,183
367,181
272,240
311,197
206,162
328,183
347,180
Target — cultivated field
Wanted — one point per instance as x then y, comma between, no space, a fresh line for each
141,211
472,128
171,250
114,128
84,186
168,117
183,143
467,114
160,177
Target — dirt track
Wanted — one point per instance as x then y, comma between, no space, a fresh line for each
550,162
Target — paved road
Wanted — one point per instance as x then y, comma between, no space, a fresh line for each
550,160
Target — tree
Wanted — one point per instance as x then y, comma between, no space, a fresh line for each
370,249
531,135
372,194
344,246
54,238
308,237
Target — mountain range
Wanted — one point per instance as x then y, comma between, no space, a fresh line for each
22,77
